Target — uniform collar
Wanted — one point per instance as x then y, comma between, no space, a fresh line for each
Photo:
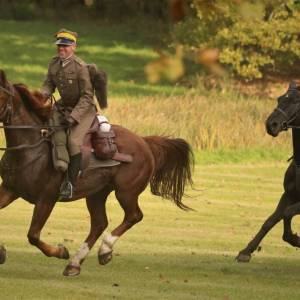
65,61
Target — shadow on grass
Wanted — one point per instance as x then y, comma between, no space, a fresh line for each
172,265
151,276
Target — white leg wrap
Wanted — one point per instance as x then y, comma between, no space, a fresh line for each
107,243
80,255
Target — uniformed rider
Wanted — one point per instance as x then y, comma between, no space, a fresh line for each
70,76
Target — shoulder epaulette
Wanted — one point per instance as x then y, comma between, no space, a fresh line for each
79,61
54,59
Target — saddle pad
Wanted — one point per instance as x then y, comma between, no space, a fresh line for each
98,163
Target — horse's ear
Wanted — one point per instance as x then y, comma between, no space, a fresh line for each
3,80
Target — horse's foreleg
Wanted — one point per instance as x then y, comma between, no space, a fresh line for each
245,254
41,212
6,198
288,235
96,207
133,215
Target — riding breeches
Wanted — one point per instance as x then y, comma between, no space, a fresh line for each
77,132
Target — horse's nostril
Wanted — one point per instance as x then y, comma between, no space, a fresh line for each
274,125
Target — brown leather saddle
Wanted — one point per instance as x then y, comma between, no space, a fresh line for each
102,145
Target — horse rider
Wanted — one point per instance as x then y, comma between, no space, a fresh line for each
76,108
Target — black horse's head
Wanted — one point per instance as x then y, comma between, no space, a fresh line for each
286,113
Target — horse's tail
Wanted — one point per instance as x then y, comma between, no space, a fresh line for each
174,161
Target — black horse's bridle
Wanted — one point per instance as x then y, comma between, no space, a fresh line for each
287,122
6,113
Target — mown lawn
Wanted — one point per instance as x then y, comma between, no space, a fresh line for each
171,254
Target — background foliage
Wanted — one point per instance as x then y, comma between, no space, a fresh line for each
253,38
70,9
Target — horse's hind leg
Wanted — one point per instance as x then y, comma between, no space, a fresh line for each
6,197
133,215
41,213
96,207
245,254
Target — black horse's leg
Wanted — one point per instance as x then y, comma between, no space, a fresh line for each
245,254
133,215
6,197
41,212
96,207
288,235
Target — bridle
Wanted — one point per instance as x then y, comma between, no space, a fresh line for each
7,110
287,123
6,113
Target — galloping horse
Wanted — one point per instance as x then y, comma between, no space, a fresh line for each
165,163
286,115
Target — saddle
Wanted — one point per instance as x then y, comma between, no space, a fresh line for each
99,141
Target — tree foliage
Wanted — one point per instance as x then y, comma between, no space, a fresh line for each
249,38
116,9
254,38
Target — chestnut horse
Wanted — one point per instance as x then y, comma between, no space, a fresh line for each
165,163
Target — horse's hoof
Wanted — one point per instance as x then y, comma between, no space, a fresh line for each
2,255
105,258
64,252
243,257
71,270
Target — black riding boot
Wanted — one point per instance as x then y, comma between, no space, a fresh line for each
67,187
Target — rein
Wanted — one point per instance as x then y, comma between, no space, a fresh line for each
25,146
44,129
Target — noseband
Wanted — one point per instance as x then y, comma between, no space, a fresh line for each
286,123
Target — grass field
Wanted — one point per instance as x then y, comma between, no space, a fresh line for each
122,51
170,255
223,124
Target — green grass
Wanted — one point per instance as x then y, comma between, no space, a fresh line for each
221,124
171,254
248,156
122,51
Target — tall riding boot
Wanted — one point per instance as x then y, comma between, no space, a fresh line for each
67,187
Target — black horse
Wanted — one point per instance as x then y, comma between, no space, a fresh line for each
286,115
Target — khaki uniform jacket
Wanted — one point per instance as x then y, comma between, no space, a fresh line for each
74,86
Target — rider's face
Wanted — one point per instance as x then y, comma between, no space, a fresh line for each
65,51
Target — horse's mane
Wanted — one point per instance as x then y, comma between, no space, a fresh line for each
34,101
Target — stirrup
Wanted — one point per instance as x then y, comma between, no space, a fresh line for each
66,191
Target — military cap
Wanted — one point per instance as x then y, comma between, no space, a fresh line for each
66,37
